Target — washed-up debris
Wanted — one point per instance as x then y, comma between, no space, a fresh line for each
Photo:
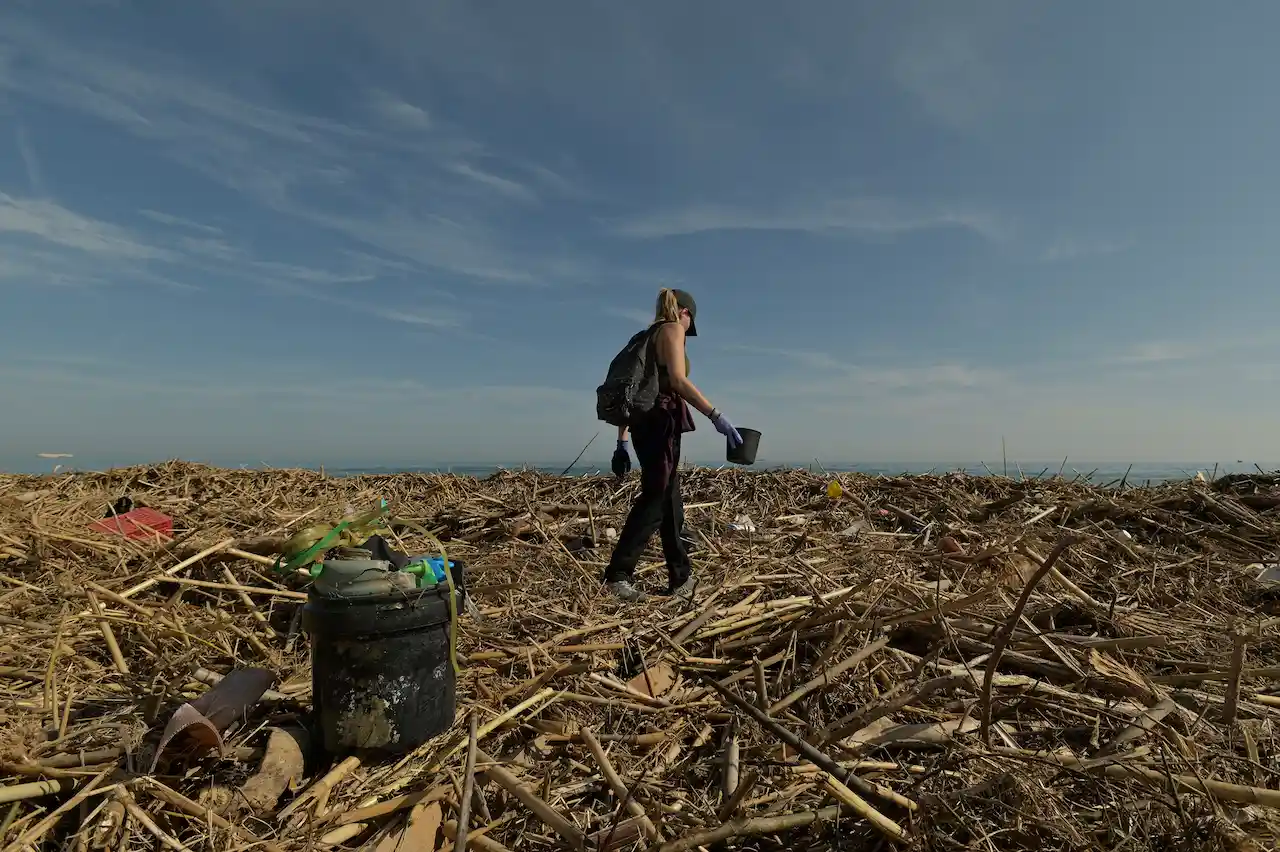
283,768
204,719
898,666
141,523
1265,572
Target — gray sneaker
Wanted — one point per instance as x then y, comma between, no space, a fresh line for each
624,591
684,592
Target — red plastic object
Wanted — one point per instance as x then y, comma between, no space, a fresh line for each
138,524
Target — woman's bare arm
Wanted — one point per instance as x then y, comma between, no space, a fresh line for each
671,355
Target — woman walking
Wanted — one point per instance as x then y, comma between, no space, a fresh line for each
656,436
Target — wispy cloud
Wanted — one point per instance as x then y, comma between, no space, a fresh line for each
501,185
178,222
1158,352
214,248
26,265
317,170
638,318
35,173
948,75
945,61
869,216
432,241
1218,351
230,139
827,375
45,243
54,224
556,182
439,319
109,376
1067,248
398,111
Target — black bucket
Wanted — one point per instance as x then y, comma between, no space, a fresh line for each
745,454
381,677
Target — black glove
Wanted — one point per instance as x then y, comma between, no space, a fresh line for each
621,460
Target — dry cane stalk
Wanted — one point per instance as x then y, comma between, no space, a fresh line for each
248,602
182,803
1147,721
1238,642
19,792
810,753
108,635
181,566
32,836
1221,791
468,787
616,784
827,676
762,690
745,786
484,844
1007,631
399,803
332,777
751,828
552,818
149,824
730,768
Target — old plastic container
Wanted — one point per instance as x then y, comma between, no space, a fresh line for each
745,454
138,524
381,678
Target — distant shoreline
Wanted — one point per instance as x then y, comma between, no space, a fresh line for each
1095,473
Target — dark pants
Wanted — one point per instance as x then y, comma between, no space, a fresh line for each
659,507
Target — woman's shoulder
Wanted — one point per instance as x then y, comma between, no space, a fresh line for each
668,329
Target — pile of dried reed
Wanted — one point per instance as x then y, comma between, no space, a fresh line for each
925,662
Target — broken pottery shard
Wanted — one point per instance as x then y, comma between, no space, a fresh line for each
283,766
854,528
654,681
420,831
208,716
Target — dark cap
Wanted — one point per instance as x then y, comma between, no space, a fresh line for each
684,300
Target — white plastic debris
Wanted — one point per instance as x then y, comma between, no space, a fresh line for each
742,524
1265,572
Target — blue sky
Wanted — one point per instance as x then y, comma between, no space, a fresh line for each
389,232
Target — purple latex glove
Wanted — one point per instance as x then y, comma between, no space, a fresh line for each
724,427
621,460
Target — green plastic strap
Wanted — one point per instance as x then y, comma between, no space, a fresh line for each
310,553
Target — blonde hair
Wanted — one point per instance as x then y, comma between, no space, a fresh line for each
667,309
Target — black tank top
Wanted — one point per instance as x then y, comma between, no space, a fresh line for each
670,403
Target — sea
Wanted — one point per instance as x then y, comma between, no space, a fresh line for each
1100,473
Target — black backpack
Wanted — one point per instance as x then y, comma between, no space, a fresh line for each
631,386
